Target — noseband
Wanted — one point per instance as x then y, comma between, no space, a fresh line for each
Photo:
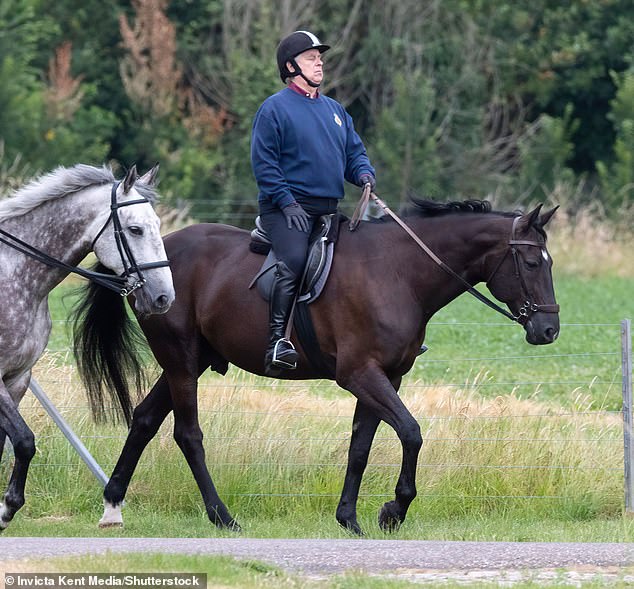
528,308
130,266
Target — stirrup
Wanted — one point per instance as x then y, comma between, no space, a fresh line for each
279,362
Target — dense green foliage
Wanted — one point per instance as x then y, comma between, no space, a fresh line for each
453,98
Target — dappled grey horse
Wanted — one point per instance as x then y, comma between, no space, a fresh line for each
46,230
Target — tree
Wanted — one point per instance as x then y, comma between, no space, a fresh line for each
617,177
21,91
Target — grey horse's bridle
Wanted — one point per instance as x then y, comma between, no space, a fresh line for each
130,265
119,283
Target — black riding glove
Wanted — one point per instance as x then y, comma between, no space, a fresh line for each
296,215
368,179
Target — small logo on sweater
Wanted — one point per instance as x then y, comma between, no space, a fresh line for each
337,119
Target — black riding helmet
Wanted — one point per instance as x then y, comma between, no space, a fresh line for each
290,47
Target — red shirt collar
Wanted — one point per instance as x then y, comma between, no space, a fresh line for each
295,88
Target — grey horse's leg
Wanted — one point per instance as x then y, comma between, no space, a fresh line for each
23,443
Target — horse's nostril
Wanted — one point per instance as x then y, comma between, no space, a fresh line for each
162,302
551,334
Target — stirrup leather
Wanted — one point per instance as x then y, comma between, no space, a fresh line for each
279,362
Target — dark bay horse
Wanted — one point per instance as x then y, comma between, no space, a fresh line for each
370,323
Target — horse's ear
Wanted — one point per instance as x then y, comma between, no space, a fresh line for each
529,219
547,216
130,178
149,178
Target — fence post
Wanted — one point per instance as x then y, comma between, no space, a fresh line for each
70,435
628,442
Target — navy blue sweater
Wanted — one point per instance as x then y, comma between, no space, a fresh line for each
304,148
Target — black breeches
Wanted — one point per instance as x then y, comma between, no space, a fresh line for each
291,245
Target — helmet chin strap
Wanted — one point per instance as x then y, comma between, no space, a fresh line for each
298,72
311,84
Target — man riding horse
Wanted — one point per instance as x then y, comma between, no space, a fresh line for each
303,147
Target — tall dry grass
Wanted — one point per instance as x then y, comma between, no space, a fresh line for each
585,241
278,450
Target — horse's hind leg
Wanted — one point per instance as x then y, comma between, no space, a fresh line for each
146,420
372,388
23,443
364,425
189,438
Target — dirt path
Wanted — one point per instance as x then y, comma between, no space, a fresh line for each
417,560
325,557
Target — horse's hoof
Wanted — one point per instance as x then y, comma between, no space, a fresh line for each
5,517
111,517
355,530
233,526
352,527
389,519
105,525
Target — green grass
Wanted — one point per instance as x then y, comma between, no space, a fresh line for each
222,572
466,339
496,469
225,572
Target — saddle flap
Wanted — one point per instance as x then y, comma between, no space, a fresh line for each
318,262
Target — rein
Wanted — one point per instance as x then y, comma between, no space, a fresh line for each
119,283
525,311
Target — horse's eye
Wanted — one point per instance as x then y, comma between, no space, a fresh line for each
532,264
135,230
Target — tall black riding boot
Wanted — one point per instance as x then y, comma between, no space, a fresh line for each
280,354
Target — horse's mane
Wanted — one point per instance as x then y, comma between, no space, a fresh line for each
431,208
56,184
61,182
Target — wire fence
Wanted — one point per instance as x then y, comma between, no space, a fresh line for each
544,426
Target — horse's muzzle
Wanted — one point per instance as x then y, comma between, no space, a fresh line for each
153,301
542,328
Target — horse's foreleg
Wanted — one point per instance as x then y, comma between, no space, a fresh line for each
3,439
146,420
189,438
364,426
23,443
372,388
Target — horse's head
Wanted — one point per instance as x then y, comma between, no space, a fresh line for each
522,277
130,243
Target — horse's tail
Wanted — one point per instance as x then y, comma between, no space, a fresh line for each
106,341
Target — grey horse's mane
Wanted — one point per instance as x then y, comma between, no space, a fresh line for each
61,182
56,184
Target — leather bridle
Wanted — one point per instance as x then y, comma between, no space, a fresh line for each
120,283
528,308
